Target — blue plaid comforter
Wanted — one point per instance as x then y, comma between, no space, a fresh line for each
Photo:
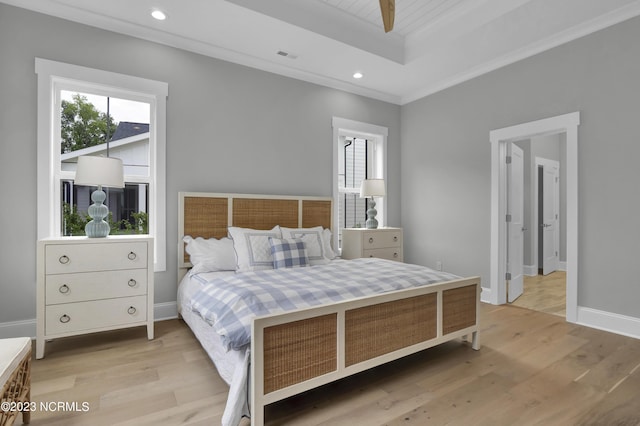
230,303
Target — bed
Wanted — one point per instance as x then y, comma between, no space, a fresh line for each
297,350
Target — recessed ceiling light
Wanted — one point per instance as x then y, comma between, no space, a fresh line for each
159,15
358,75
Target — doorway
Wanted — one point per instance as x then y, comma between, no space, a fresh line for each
536,200
500,142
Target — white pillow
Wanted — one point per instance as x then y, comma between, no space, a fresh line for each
210,255
313,241
252,248
326,238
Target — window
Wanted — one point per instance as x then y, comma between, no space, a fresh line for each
82,111
354,159
359,153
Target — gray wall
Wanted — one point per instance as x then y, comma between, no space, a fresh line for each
446,177
229,129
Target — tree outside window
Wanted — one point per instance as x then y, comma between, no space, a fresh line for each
105,126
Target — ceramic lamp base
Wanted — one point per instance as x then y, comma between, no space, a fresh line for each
371,222
97,227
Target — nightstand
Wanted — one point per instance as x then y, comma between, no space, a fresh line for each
86,285
384,243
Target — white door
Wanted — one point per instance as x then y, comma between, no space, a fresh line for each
550,218
515,225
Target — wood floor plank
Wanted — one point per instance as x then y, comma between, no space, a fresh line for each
533,368
545,293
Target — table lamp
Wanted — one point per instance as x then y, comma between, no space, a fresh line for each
372,188
99,171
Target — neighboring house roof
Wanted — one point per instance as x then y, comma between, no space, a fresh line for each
127,129
96,149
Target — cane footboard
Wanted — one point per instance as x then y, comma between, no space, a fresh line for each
300,350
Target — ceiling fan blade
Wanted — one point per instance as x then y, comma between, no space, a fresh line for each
388,9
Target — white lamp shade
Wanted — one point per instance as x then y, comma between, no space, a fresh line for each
100,171
372,188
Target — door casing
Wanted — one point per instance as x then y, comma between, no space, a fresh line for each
567,123
515,229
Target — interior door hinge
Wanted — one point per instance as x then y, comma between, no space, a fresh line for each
508,218
507,276
508,159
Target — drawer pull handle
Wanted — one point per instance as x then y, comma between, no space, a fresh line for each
64,259
132,256
64,289
131,310
395,238
65,319
132,282
370,240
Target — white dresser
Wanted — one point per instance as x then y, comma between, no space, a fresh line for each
87,285
384,243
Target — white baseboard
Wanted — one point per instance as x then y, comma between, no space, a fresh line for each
485,296
530,270
594,318
12,329
607,321
165,311
161,311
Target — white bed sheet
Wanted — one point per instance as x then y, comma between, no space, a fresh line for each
233,366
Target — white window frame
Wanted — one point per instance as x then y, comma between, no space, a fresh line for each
56,76
376,135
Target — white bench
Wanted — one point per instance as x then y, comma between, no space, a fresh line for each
15,379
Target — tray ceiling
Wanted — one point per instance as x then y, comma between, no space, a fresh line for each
435,44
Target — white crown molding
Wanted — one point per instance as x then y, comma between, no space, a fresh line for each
619,15
153,34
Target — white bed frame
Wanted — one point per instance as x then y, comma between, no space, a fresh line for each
300,350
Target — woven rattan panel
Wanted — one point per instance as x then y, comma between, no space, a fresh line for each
316,213
458,308
264,213
375,330
299,351
205,217
17,390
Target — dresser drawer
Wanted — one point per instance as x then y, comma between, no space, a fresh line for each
68,258
67,288
391,253
381,239
73,317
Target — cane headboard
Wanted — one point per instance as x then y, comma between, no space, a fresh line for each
207,215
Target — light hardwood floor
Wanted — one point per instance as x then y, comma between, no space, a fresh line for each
545,293
533,369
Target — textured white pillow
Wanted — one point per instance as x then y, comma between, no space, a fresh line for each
252,248
313,240
210,255
326,238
